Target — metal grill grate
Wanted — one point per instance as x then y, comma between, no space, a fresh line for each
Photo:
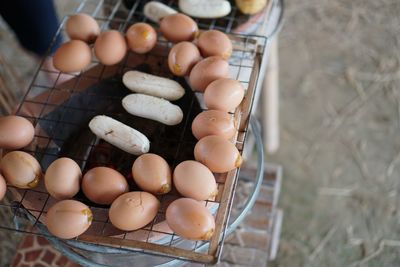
60,111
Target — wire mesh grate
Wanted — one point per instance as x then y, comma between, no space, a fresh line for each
61,107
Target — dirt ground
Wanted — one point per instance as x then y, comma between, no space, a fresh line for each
340,147
340,144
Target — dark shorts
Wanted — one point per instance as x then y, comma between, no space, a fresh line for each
34,22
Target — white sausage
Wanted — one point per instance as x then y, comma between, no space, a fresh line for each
155,11
140,82
205,8
153,108
119,135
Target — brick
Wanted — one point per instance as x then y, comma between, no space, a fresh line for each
244,256
33,255
236,254
249,238
258,217
17,260
62,261
39,265
48,257
266,195
42,241
28,242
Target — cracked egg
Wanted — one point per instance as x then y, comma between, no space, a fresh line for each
133,210
68,218
21,169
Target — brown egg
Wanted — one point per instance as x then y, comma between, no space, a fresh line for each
3,187
21,169
223,94
190,219
62,178
152,173
215,43
178,27
182,57
141,37
72,56
193,179
15,132
133,210
213,122
68,219
207,71
110,47
103,185
217,153
82,27
250,7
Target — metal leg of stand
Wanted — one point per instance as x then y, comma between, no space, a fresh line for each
270,101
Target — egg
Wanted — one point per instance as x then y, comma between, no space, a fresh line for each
214,43
190,219
82,27
250,7
62,178
103,185
68,219
152,173
178,27
72,56
213,122
194,180
207,71
182,57
15,132
21,169
217,153
223,94
110,47
133,210
3,187
141,37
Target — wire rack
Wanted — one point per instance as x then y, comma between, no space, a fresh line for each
61,107
234,22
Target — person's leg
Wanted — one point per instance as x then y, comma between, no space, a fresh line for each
34,23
